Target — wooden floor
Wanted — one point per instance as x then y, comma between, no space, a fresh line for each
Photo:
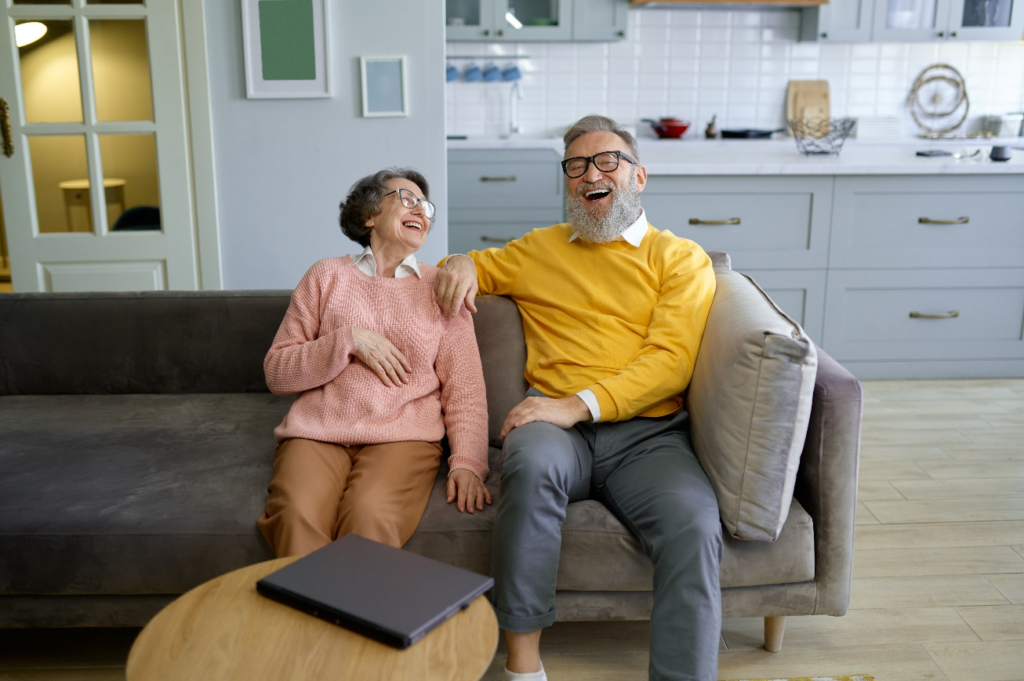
938,589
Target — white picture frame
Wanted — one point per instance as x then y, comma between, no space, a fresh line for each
385,86
259,87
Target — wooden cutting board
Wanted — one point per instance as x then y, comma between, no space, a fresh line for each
807,99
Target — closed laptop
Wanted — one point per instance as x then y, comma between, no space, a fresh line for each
384,593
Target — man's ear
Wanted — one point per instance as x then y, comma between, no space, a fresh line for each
641,178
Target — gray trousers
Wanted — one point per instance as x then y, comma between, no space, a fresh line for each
645,472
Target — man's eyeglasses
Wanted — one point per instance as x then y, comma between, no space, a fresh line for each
606,162
409,200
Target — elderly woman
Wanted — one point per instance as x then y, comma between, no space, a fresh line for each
381,374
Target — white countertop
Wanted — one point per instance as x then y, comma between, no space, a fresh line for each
781,157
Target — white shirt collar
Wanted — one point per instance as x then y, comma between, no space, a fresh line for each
368,265
633,235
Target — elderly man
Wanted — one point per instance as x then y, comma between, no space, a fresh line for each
613,312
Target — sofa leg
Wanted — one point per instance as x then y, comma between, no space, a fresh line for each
774,628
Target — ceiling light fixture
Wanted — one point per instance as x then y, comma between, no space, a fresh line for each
511,18
28,32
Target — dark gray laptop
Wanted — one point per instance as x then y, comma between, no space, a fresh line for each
384,593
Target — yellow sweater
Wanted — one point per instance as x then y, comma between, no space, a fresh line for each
621,320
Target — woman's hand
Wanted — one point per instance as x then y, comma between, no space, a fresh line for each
471,493
383,358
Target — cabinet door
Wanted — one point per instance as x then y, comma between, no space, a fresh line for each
474,230
533,20
911,20
600,19
469,19
800,294
986,19
840,21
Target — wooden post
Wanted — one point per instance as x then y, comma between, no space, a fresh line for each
774,628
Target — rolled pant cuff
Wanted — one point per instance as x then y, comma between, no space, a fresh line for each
524,625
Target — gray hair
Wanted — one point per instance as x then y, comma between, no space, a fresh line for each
363,201
595,123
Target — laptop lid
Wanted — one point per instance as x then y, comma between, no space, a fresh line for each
381,592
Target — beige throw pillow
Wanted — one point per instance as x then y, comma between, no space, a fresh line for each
750,402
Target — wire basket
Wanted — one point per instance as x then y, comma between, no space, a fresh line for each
820,136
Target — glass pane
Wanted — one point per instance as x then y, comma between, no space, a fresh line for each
463,12
120,70
49,75
42,2
59,175
986,13
534,12
5,258
910,14
133,189
115,2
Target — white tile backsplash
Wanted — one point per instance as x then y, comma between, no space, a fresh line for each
733,64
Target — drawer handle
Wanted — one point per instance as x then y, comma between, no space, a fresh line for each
947,315
959,221
730,221
508,178
496,240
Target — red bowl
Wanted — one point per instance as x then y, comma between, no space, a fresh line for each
671,130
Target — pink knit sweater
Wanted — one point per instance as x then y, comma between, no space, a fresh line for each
341,400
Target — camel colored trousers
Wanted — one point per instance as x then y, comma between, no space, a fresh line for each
322,491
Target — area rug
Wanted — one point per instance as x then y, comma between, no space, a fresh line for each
855,677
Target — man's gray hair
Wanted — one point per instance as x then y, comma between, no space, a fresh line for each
595,123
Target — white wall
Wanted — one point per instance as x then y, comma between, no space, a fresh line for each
283,166
736,64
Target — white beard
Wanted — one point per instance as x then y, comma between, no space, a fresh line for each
621,214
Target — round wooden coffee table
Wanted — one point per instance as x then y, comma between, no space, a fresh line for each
223,629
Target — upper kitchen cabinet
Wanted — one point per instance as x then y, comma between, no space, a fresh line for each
840,21
536,20
913,20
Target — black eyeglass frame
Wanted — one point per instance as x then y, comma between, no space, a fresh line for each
590,159
429,209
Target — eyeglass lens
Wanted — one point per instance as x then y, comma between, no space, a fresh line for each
409,200
606,162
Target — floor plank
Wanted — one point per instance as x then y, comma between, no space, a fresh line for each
947,510
890,470
940,535
984,661
888,454
1010,586
924,592
884,662
964,487
907,562
1000,623
877,490
959,471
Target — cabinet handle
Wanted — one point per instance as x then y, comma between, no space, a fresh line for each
953,34
621,34
496,240
730,221
946,315
824,35
5,129
501,32
959,221
942,34
487,31
507,178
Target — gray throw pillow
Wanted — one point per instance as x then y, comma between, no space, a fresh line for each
750,402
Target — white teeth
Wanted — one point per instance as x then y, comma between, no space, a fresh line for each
412,224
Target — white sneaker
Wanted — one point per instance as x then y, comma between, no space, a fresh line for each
529,676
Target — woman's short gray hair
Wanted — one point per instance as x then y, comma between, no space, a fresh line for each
363,200
595,123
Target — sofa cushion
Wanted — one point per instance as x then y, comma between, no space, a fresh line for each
750,399
499,333
132,494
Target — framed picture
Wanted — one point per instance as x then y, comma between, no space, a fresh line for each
384,90
286,47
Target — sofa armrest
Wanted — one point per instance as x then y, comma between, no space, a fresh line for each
826,483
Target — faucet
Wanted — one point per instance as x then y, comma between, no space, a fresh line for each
515,94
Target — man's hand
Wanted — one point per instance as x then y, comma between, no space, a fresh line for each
455,285
468,490
564,413
383,358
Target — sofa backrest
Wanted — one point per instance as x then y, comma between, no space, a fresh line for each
192,342
152,342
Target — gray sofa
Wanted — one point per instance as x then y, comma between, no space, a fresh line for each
137,447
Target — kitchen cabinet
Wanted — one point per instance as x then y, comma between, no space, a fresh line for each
496,195
913,20
926,276
536,20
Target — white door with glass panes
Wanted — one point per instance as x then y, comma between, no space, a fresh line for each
94,175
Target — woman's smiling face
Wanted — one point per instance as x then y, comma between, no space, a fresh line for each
397,227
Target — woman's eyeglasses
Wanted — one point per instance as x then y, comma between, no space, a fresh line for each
410,200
